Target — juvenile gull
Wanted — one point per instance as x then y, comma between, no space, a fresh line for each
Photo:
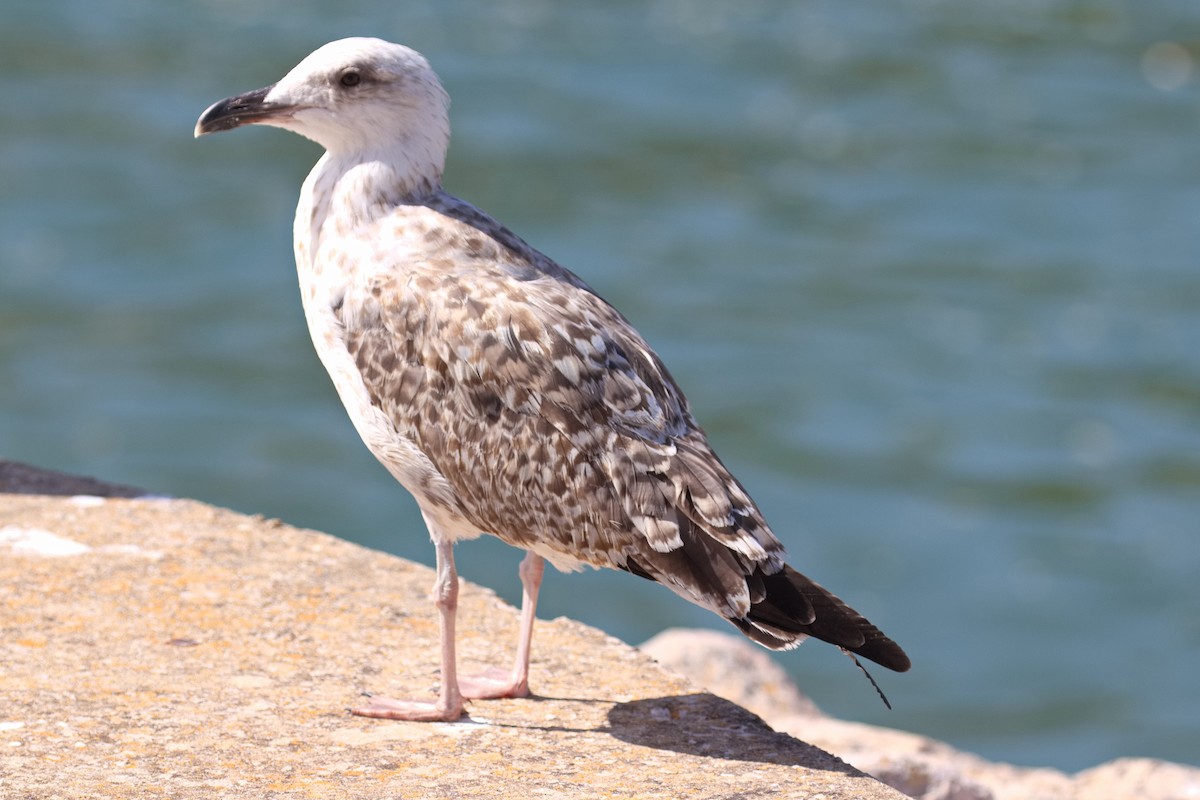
498,388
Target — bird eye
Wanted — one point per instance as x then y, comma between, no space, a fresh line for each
350,77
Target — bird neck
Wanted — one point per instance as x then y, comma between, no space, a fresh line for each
348,192
359,182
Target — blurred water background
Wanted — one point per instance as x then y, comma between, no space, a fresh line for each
927,270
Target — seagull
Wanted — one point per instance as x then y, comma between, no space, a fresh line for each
499,389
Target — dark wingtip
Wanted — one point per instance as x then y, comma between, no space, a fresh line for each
883,651
795,607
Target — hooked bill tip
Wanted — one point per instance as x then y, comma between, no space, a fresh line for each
233,112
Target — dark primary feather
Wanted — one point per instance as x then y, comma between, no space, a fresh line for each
558,427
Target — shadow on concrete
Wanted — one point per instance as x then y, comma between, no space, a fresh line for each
703,724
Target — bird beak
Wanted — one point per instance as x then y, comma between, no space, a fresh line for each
244,109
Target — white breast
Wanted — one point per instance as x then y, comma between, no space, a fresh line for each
336,257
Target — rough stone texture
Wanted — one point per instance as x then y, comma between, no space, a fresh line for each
173,649
915,765
747,676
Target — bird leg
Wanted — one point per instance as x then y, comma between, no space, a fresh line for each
495,682
449,705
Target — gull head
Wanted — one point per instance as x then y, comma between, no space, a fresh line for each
354,97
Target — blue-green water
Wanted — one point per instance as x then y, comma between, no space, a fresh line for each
929,272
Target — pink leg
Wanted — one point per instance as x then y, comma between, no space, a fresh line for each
449,705
495,682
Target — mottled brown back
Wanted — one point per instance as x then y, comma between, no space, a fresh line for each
560,429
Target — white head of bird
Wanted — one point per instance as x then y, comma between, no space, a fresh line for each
358,98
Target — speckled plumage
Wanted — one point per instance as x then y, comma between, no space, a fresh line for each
495,385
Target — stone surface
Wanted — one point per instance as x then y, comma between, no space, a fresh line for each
918,766
18,478
747,676
166,648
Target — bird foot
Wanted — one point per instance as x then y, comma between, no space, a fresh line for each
491,684
414,710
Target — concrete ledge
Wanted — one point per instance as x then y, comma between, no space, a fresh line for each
915,765
166,648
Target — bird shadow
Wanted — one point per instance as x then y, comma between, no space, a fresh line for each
703,724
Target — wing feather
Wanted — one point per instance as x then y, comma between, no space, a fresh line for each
561,431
